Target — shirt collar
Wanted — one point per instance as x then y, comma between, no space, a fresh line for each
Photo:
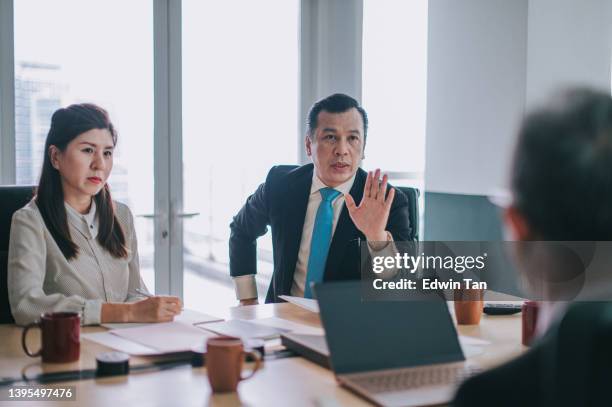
86,223
317,184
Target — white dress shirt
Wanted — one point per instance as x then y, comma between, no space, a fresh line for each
314,200
40,279
245,285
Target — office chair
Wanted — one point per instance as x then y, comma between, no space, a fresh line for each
12,198
413,207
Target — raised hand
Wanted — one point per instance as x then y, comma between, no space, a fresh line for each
371,216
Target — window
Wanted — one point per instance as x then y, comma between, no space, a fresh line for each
394,87
240,96
73,51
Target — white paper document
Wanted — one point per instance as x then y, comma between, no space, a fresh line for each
306,303
244,329
118,343
291,326
472,346
166,337
470,340
187,316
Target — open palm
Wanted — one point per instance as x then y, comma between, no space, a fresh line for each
371,216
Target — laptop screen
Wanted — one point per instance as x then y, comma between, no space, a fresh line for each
374,335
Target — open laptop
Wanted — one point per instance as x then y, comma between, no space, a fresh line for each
394,353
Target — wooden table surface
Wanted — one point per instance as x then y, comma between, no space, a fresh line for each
291,381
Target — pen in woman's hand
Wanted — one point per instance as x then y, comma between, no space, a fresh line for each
146,294
143,292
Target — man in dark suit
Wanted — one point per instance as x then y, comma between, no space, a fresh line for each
318,212
562,191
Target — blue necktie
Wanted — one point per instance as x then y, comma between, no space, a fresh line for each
321,238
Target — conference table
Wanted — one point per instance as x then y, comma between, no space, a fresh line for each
291,381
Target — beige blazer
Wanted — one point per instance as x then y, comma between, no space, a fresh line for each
40,279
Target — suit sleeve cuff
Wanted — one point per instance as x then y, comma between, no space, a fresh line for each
374,247
246,288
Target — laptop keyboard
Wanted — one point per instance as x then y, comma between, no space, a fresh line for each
405,379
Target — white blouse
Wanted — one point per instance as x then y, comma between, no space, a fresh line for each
40,279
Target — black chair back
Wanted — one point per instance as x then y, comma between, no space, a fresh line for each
12,198
413,206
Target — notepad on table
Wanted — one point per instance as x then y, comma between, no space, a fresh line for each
166,337
187,316
243,329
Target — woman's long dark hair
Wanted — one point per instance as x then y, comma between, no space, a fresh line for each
67,124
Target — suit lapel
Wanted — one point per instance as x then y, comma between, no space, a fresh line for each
297,201
345,229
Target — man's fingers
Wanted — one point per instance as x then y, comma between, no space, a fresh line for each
383,189
376,184
350,202
368,185
389,200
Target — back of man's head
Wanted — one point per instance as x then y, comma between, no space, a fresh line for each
562,170
336,103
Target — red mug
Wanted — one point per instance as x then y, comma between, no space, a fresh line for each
60,337
224,359
530,321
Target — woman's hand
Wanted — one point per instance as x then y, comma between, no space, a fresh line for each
154,309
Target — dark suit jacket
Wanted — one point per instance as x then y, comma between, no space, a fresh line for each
516,383
281,203
569,366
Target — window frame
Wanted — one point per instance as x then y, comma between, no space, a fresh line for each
329,61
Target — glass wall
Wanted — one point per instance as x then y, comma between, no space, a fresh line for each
240,105
395,87
74,51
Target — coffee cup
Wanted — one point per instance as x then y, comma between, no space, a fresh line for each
529,321
60,337
468,306
224,359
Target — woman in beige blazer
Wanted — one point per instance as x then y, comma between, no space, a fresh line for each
73,248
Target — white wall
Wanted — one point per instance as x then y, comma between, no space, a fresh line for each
330,54
569,43
476,91
488,60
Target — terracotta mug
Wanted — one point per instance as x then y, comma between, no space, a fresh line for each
60,337
468,306
224,359
529,321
